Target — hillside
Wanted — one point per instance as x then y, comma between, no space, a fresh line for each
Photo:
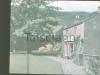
92,31
66,18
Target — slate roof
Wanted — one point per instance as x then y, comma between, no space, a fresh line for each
92,15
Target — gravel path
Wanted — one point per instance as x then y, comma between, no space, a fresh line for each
69,67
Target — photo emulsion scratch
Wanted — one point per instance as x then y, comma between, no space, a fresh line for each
55,37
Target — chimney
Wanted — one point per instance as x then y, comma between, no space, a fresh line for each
98,9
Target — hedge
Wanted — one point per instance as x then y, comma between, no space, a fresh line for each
49,53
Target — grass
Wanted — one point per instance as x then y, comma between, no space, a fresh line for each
38,65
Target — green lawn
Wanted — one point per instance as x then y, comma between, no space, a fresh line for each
38,65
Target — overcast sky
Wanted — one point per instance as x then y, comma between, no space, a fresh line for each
88,6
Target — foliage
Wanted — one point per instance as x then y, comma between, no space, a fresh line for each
33,15
92,64
49,53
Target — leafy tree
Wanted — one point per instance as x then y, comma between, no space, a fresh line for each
34,15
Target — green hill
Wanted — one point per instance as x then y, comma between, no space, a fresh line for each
92,31
66,18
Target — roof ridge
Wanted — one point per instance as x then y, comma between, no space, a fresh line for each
88,18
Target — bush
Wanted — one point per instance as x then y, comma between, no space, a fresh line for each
49,53
92,64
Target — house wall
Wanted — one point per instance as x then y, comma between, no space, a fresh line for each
80,31
75,31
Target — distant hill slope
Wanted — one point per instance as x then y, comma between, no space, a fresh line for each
92,34
68,18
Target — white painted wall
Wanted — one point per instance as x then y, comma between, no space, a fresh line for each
76,31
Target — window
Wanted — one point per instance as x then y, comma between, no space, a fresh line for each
72,38
69,38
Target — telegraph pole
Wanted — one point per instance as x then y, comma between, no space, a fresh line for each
27,57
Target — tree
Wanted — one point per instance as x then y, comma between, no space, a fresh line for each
34,15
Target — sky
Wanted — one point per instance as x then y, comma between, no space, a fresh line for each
87,6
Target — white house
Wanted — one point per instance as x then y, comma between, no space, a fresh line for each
70,34
83,36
